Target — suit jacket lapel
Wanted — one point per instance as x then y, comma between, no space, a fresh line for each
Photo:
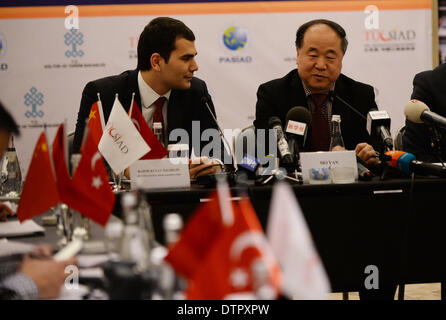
131,87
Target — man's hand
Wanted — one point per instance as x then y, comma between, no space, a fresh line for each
367,153
5,211
205,166
48,275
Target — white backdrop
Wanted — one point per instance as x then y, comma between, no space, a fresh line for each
35,54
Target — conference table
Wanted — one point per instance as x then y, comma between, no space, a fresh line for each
396,225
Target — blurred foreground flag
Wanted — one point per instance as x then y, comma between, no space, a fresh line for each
304,276
157,150
39,191
223,252
64,185
92,195
121,144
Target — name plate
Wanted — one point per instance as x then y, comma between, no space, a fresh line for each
329,167
159,173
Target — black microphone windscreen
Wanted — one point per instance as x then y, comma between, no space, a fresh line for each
274,121
204,99
299,114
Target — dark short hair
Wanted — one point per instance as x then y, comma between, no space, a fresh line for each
333,25
7,122
159,36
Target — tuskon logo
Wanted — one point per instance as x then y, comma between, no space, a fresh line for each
235,38
2,44
73,39
33,98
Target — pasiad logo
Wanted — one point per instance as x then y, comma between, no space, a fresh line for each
390,40
2,44
33,99
73,39
235,39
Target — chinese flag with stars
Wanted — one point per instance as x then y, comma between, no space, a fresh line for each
39,191
96,122
95,199
157,150
219,259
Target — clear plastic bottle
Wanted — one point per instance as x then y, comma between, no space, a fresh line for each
134,245
158,131
13,182
336,134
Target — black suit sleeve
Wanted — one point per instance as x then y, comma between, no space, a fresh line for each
89,96
416,135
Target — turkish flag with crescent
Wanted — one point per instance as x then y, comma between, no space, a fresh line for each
157,150
40,174
91,188
221,258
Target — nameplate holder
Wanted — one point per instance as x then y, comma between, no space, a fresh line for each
329,167
160,173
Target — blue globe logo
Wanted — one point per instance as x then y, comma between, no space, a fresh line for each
235,38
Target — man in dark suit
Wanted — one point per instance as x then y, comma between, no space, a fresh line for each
165,90
321,45
429,87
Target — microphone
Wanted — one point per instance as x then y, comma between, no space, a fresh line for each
204,100
378,125
363,172
417,111
282,144
298,120
406,162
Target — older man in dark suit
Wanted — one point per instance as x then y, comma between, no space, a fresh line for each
429,87
165,89
321,45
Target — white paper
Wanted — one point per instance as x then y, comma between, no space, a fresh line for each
14,247
15,228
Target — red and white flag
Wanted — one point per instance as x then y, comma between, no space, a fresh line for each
157,150
218,251
91,187
121,144
39,191
96,122
304,276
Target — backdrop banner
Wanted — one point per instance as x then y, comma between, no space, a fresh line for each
46,59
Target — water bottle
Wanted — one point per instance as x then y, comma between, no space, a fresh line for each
134,244
158,131
13,181
336,135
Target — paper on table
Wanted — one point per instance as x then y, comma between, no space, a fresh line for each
8,248
15,228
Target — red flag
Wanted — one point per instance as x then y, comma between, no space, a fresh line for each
157,150
96,122
64,185
39,191
92,191
218,258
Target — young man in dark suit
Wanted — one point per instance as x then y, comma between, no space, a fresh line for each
165,89
429,87
320,45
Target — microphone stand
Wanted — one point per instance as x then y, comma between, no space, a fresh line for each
436,143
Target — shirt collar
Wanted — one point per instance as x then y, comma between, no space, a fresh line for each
148,95
308,91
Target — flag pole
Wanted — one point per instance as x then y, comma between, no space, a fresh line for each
101,112
131,104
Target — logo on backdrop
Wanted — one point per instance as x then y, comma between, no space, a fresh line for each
389,40
235,40
33,99
3,65
73,39
133,43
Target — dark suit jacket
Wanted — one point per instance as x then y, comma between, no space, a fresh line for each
277,97
429,87
184,106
